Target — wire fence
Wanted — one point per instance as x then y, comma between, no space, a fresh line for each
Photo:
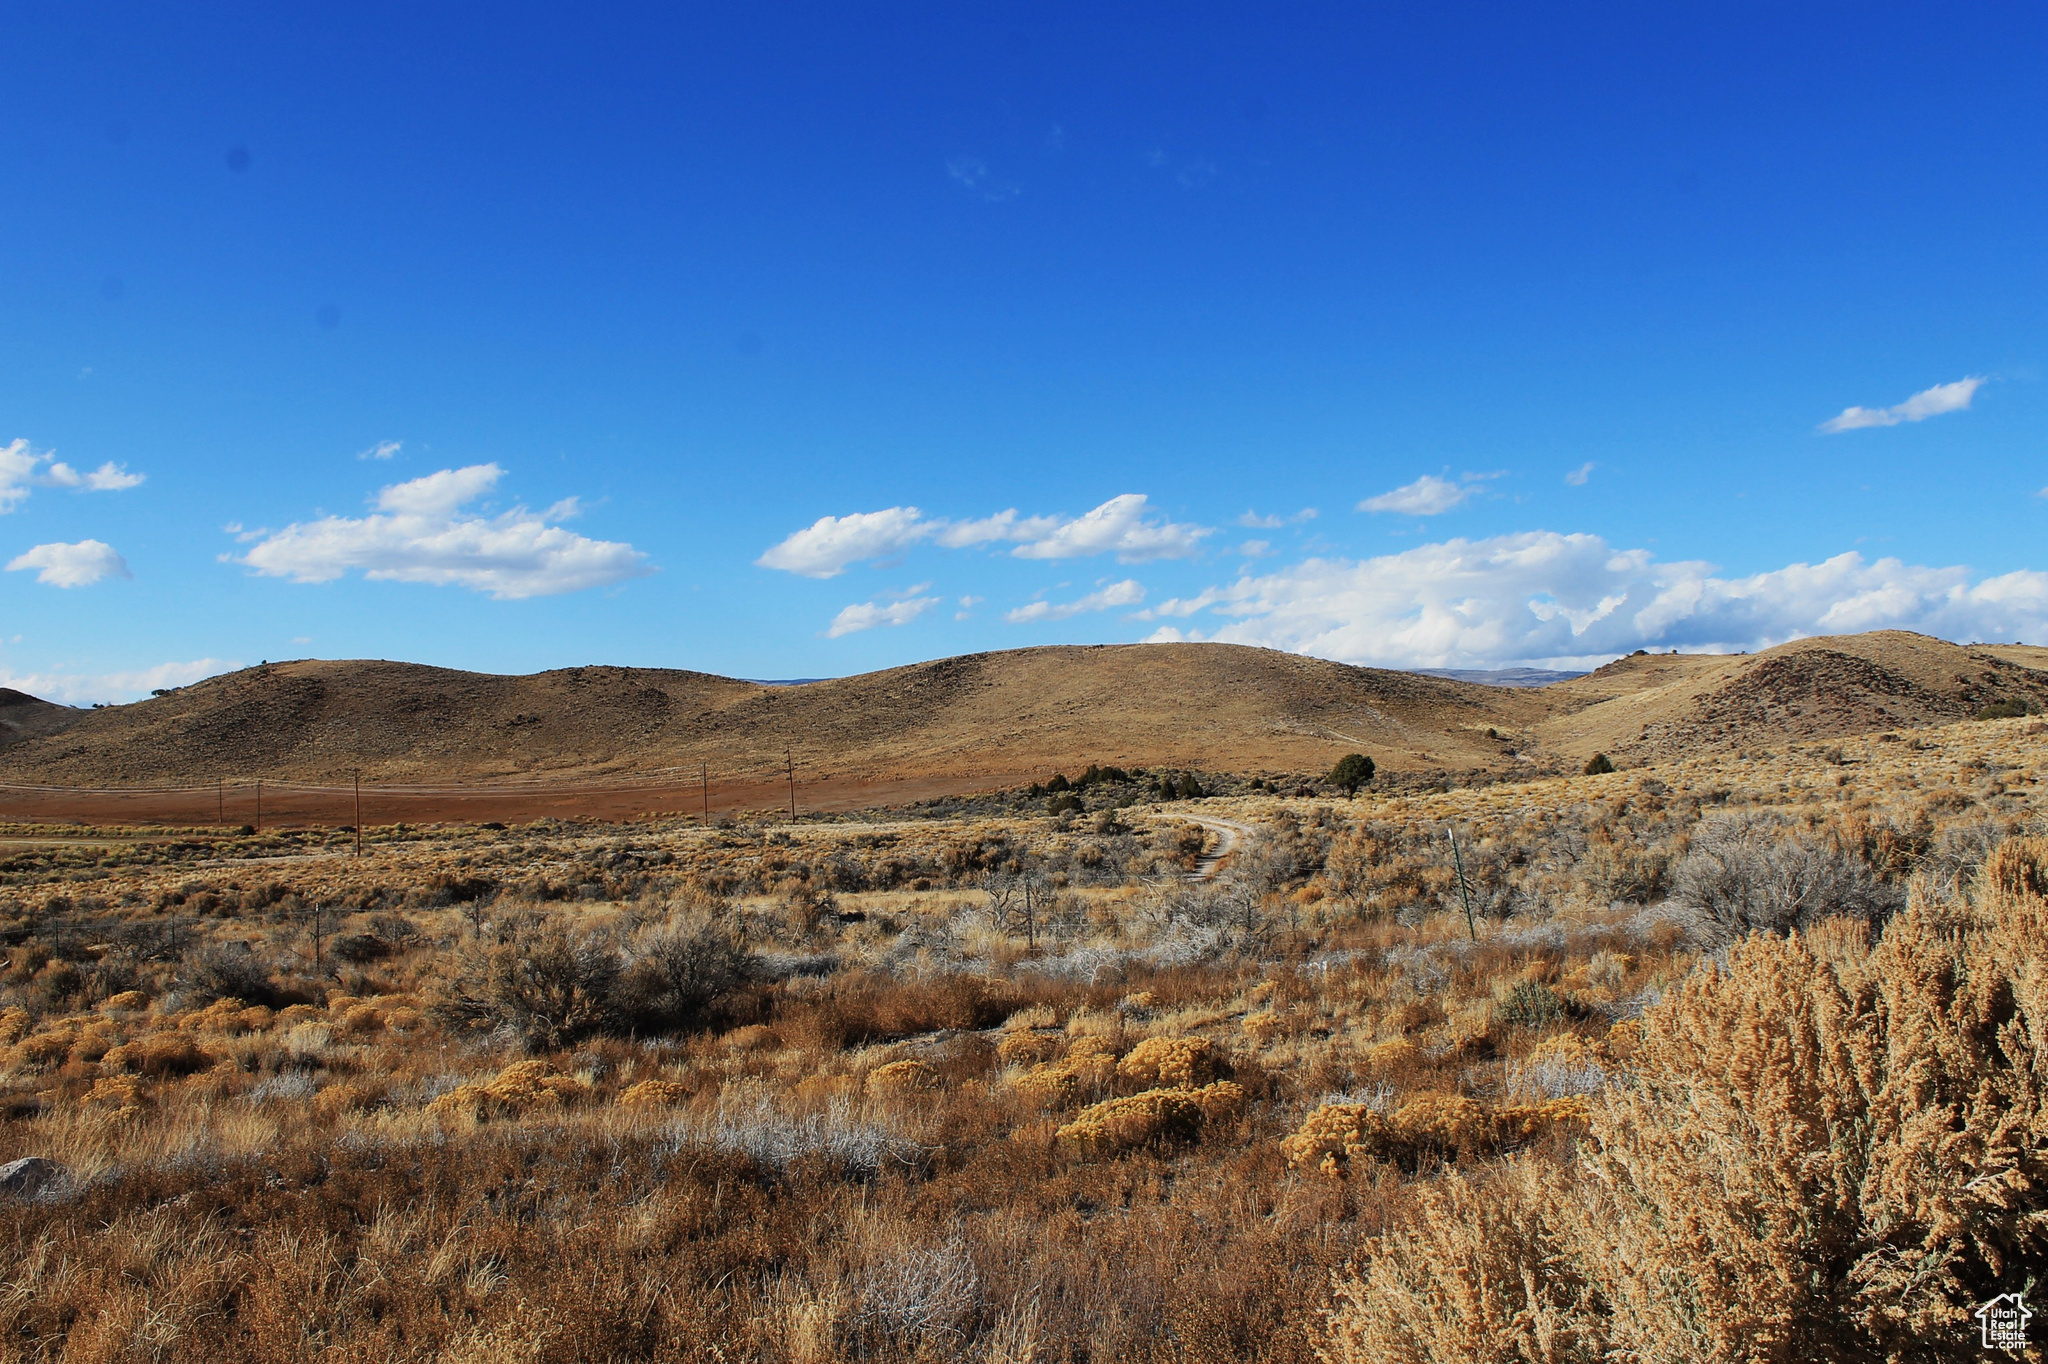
272,801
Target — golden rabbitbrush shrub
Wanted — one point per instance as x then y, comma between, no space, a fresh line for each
520,1088
159,1054
1024,1047
1155,1115
1389,1057
360,1020
226,1017
115,1098
45,1048
1445,1126
1189,1061
902,1076
1085,1070
654,1094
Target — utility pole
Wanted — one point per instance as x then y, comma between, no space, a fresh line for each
704,776
790,763
220,800
1465,892
359,812
259,805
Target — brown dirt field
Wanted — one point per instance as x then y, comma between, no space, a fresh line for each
288,807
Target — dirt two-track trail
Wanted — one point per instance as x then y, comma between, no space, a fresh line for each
1228,833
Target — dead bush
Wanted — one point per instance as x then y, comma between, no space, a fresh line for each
678,972
857,1010
230,971
551,986
1743,874
359,948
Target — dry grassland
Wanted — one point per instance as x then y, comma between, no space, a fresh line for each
1729,1057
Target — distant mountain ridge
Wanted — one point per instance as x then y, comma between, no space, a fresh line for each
1501,677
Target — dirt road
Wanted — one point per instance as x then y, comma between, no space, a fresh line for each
1228,832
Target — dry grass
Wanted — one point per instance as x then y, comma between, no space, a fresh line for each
1830,1154
1186,1122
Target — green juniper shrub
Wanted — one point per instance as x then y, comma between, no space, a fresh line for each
1352,771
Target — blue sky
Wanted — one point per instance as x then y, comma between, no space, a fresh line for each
516,337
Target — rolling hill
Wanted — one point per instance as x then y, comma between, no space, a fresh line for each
27,717
997,717
1002,715
1650,706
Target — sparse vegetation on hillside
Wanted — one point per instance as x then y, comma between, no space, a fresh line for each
945,729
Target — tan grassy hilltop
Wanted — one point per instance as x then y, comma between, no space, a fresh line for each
999,717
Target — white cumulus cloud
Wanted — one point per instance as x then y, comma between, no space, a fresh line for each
420,533
1124,526
824,548
383,449
1547,599
108,478
1004,525
1577,477
21,471
1426,496
79,565
78,689
17,473
1119,526
1928,402
1126,593
868,614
